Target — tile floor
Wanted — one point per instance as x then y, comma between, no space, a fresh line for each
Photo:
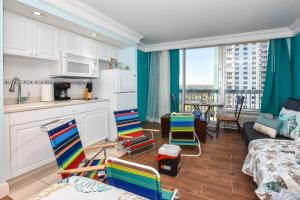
215,175
31,184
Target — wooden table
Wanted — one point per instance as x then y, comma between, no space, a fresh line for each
197,106
200,127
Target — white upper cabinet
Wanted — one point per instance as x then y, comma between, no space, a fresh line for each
18,35
88,47
106,52
46,41
103,51
25,37
70,42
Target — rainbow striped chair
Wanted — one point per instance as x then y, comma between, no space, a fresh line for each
69,154
183,123
144,183
131,134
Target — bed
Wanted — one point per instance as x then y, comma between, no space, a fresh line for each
275,168
126,180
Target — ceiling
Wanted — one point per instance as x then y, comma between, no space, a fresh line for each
173,20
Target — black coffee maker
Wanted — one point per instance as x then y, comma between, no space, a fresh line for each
61,91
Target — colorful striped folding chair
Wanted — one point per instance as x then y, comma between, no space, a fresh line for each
144,183
131,134
68,150
183,123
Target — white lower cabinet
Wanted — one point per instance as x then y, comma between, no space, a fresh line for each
95,126
30,147
29,144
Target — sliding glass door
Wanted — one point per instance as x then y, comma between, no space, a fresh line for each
220,74
199,76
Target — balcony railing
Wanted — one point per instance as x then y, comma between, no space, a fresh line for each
252,98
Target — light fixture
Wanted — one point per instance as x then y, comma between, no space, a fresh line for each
37,14
93,34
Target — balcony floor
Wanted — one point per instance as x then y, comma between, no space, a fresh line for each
216,174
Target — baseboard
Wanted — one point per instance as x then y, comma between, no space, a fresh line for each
4,190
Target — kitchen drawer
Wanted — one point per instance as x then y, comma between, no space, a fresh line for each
95,106
34,115
72,110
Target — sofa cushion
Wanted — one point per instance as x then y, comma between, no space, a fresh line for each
290,123
251,134
267,125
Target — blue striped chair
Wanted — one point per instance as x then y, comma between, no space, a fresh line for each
131,134
184,123
69,154
146,183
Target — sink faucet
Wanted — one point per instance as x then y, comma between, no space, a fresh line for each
12,89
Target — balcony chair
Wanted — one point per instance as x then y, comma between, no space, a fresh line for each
69,153
183,124
131,134
223,117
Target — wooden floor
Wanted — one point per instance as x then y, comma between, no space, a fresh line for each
214,175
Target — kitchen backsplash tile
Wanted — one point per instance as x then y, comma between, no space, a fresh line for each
33,73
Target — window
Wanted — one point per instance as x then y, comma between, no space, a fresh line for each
200,73
223,72
254,68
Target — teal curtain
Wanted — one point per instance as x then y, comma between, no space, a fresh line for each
153,89
278,86
142,83
174,77
295,49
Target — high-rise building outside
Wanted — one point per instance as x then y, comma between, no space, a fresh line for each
245,73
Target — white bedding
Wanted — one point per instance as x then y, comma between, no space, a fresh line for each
68,191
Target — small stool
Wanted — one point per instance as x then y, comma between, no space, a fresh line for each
169,159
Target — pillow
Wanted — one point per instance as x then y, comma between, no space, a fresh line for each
290,123
266,115
267,126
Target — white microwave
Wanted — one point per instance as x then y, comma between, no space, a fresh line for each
72,65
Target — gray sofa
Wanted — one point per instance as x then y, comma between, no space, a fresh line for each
251,134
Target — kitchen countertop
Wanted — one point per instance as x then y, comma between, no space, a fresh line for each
42,105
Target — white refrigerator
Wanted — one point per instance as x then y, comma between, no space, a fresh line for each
120,87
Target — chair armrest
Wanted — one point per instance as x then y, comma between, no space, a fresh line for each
126,137
101,146
82,169
151,130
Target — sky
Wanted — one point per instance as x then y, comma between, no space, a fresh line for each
200,66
